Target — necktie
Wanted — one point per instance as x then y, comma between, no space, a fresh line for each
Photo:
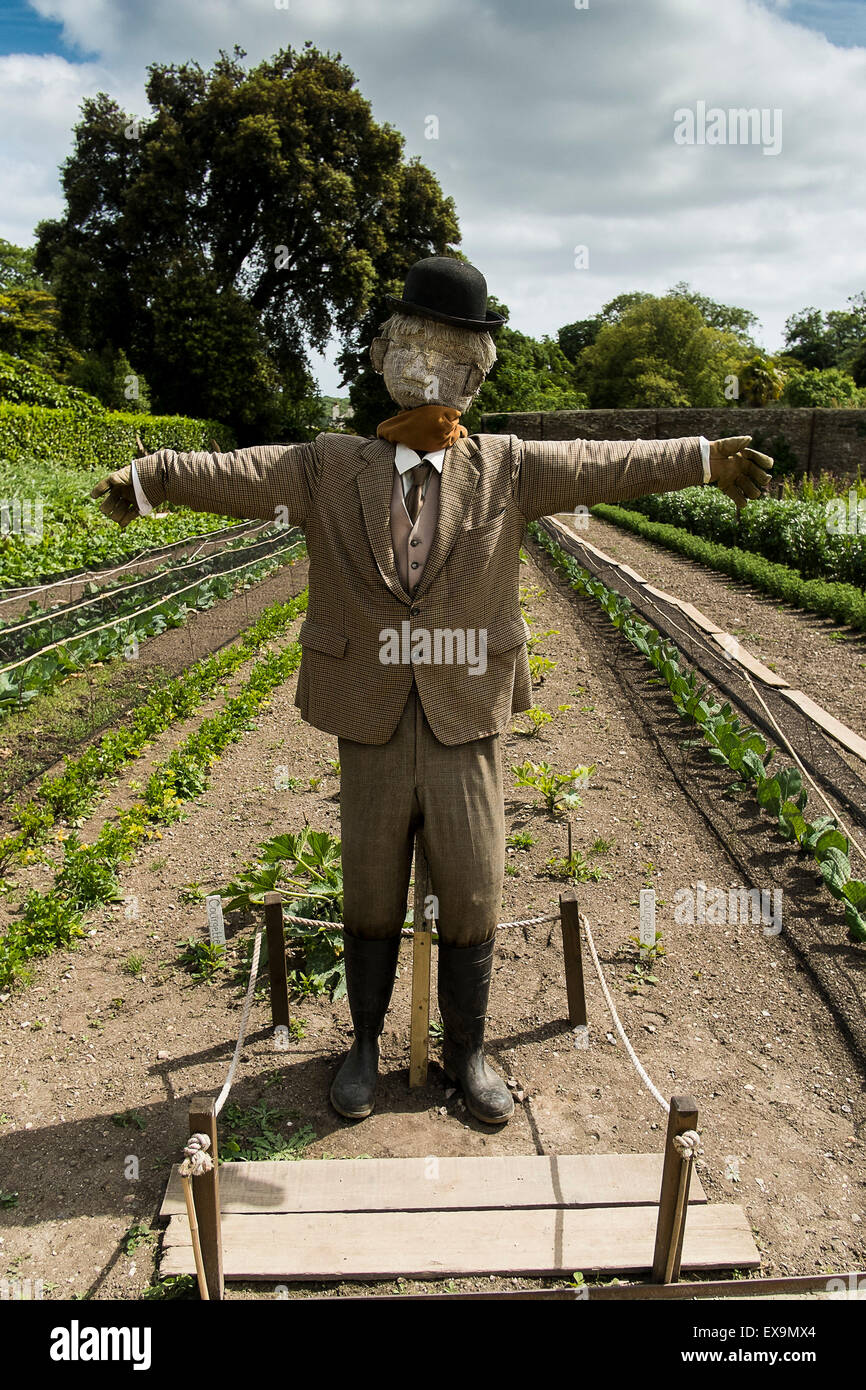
415,496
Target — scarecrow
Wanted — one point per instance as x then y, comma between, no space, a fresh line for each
414,646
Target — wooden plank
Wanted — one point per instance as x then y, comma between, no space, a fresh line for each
412,1184
676,1181
569,917
277,960
544,1241
206,1196
735,649
698,617
840,732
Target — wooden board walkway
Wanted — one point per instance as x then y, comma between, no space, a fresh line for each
378,1218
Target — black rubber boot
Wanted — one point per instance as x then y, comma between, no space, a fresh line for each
370,970
464,986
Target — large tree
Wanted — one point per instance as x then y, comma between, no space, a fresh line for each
256,211
661,352
834,339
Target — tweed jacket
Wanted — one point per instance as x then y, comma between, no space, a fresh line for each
338,490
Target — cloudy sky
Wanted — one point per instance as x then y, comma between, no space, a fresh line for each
557,129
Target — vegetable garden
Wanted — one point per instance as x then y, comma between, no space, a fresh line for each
211,785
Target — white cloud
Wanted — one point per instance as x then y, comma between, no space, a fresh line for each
555,128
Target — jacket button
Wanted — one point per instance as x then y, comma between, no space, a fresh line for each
415,611
415,542
415,565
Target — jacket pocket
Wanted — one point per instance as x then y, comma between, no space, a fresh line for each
322,639
506,634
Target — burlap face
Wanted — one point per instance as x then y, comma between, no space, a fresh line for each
429,363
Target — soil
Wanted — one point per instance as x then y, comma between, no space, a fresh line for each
734,1019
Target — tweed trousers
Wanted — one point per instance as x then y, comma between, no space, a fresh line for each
453,794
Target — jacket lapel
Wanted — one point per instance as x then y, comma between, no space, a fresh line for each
375,481
459,481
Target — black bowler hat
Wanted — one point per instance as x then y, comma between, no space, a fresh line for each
448,290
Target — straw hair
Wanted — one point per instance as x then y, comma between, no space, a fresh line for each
463,344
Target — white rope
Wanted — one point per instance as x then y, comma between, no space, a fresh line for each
615,1016
248,1002
407,931
196,1160
688,1144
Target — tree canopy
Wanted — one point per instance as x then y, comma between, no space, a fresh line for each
256,211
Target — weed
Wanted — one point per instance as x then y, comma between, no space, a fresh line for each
201,958
136,1235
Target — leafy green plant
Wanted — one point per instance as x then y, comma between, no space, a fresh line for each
133,965
843,602
173,1286
638,976
538,718
136,1235
520,839
555,788
202,958
129,1119
576,868
652,952
540,667
306,868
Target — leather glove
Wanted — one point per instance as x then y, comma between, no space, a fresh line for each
740,472
120,504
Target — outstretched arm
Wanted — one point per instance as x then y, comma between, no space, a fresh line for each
269,481
559,475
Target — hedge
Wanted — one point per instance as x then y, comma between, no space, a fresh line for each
844,603
790,531
98,439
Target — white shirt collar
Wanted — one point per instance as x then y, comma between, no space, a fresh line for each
406,458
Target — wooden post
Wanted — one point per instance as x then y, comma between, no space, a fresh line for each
674,1195
206,1194
570,920
277,959
419,1035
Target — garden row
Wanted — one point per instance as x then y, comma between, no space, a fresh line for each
823,536
88,874
51,527
30,676
740,749
843,603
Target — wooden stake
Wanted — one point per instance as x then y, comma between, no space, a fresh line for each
196,1243
419,1036
570,919
277,959
206,1195
673,1198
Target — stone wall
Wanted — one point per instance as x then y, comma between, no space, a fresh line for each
801,441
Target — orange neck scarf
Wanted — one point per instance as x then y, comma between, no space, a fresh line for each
426,428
